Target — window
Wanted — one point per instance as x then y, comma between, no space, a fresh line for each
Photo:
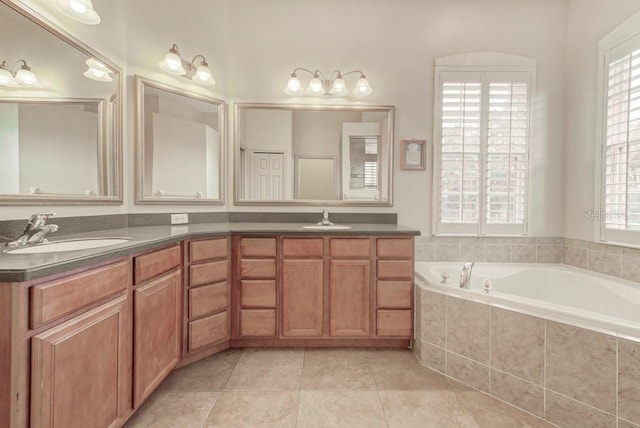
482,138
621,142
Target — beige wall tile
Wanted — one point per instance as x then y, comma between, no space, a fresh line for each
604,248
544,241
523,241
523,253
574,243
518,392
433,356
566,412
468,329
574,256
468,371
447,252
582,364
433,317
425,252
629,380
549,254
517,344
626,424
473,252
606,263
499,253
630,268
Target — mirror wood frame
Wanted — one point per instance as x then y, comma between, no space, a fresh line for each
53,199
313,107
139,84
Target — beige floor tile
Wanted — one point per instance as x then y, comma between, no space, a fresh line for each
267,370
489,412
209,374
336,369
398,370
255,409
174,409
344,409
407,409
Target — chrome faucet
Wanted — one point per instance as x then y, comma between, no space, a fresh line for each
465,275
325,219
35,231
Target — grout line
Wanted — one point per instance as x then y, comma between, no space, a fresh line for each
582,403
304,355
375,384
617,380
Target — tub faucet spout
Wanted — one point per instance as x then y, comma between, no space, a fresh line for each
465,275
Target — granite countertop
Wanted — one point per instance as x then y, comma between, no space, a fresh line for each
25,267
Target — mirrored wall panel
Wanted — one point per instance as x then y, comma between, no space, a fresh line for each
180,143
60,127
313,155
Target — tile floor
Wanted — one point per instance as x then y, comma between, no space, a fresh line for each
320,388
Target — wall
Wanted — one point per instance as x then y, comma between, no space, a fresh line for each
253,45
582,104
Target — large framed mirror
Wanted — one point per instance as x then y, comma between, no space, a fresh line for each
60,140
313,155
180,140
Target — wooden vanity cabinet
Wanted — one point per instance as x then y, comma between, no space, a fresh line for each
157,319
207,297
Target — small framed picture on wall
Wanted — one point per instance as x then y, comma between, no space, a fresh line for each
413,154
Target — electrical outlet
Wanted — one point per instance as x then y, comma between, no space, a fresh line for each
179,218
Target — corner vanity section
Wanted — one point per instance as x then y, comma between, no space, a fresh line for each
104,327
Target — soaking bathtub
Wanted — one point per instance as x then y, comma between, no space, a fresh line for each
560,342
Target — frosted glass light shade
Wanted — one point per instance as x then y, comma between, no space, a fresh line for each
203,76
6,79
26,77
315,86
172,64
79,10
293,86
339,88
97,71
362,88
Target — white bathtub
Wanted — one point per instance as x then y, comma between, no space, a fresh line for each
556,292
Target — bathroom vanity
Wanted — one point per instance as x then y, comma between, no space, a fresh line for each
104,327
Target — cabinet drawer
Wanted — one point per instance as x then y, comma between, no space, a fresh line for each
153,264
394,248
258,247
208,299
394,294
396,323
52,300
352,247
292,247
258,268
209,330
395,269
208,249
208,272
258,294
258,322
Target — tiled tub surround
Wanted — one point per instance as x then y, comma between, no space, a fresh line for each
568,375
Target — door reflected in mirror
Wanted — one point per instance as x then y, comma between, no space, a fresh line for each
180,140
336,155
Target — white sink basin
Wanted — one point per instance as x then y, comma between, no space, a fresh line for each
330,227
69,245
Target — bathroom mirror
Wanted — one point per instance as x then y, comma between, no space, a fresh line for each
60,141
313,155
179,145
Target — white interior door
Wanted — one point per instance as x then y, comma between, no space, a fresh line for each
267,175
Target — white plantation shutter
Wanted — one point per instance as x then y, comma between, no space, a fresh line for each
483,152
621,139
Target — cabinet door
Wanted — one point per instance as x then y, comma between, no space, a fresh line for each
79,370
350,298
156,335
302,298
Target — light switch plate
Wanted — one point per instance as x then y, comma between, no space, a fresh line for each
179,218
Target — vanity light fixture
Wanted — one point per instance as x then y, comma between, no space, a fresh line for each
22,77
97,71
334,85
79,10
196,70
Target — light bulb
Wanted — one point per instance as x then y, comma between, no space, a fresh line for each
172,64
315,85
79,10
78,7
203,76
